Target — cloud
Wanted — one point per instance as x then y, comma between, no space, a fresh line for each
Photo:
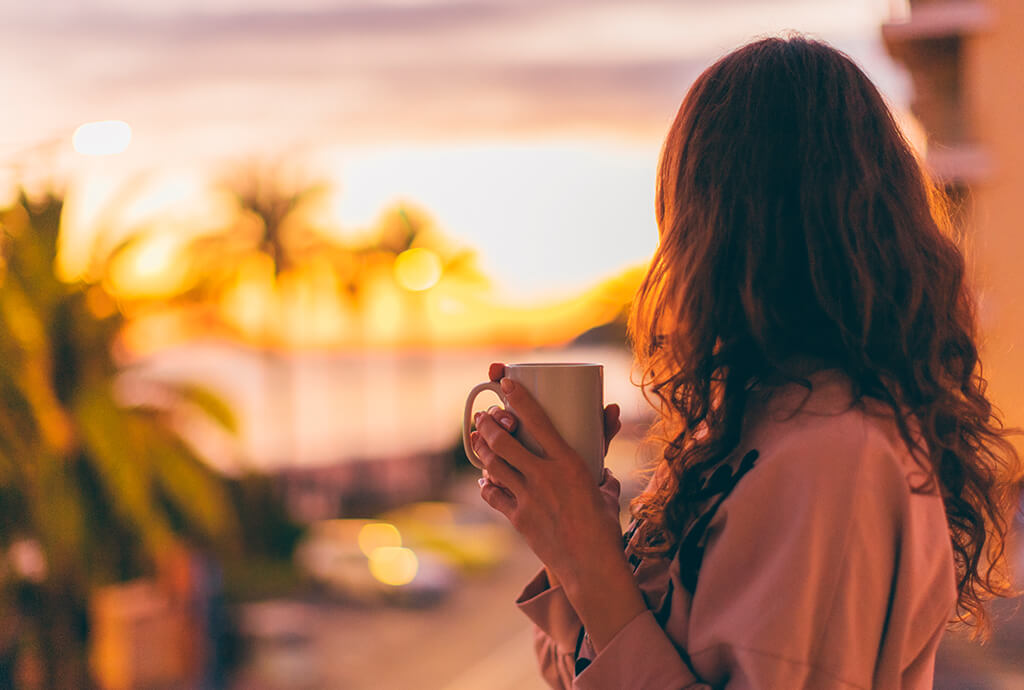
523,102
374,69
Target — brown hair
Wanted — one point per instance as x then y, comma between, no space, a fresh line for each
796,221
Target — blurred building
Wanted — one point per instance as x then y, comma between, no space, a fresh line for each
966,62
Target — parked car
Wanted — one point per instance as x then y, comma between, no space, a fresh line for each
468,538
366,561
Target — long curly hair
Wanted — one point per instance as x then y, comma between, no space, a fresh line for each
796,223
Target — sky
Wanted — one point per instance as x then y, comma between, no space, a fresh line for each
530,129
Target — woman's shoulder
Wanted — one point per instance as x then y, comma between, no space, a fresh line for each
823,439
837,473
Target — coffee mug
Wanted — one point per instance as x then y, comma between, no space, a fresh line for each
573,397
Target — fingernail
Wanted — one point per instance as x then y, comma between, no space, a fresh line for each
476,418
507,386
505,422
481,481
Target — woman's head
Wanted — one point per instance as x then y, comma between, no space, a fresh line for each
796,225
793,215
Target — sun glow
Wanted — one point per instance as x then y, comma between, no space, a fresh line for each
413,299
151,267
251,300
549,217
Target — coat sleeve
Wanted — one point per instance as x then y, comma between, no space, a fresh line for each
557,630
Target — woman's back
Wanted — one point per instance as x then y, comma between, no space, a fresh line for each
811,563
854,569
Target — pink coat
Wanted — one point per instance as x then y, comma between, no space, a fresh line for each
819,569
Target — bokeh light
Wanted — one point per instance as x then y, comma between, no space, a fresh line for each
394,565
103,138
377,535
417,269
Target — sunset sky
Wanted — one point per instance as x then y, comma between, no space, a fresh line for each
528,128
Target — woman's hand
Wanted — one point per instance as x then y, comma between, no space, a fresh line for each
610,486
565,518
612,423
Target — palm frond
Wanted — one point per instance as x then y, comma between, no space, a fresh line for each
123,463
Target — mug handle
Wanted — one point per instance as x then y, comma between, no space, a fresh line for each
467,418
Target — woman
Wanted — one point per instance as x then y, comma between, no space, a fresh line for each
835,485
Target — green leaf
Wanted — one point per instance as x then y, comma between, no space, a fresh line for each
115,446
9,475
18,426
211,404
20,317
58,515
193,490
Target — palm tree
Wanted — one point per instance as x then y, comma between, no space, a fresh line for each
102,487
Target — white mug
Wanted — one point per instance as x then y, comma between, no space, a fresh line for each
573,397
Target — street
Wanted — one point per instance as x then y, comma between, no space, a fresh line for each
476,639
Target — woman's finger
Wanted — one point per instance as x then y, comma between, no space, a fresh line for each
497,497
612,424
502,443
497,469
496,371
503,417
533,417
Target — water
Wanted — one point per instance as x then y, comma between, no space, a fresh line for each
310,409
